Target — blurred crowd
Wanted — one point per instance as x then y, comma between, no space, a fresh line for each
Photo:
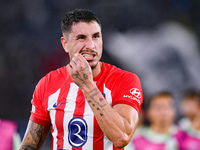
158,129
30,46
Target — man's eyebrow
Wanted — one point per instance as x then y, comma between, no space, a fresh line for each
80,35
96,33
83,35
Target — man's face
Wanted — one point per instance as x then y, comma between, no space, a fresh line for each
161,110
86,39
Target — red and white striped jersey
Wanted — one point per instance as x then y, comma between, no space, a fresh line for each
58,102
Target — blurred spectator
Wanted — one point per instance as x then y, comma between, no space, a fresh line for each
188,137
9,137
160,114
189,108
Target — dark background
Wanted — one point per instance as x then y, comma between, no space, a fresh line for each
30,41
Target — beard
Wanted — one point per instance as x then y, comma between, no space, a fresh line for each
93,66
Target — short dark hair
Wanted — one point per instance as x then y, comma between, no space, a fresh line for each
155,95
192,94
76,16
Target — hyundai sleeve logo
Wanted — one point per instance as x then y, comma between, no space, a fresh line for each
77,136
136,92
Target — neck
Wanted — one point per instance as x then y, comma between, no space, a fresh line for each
160,128
97,69
192,118
196,122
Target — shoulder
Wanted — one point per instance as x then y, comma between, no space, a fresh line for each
53,80
56,75
115,71
60,72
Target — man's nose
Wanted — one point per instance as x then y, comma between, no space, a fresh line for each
90,43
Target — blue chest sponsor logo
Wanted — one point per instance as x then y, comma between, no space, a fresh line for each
78,129
55,105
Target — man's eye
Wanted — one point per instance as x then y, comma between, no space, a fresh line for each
81,37
96,36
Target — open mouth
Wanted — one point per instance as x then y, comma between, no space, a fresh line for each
88,56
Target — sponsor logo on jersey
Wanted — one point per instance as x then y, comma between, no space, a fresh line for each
78,129
55,105
135,94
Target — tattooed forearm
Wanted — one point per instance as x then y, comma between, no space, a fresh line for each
27,148
37,131
34,136
99,101
94,92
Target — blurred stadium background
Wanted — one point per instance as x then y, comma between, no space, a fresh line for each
156,39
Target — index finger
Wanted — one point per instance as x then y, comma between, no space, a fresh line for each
81,58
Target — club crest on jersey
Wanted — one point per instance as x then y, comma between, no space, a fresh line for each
78,129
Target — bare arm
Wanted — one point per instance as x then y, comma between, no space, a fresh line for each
34,136
119,122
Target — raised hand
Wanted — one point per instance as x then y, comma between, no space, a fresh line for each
80,71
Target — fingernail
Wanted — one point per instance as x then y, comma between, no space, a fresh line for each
76,54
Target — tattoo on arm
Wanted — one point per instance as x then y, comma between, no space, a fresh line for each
86,68
93,93
95,89
78,76
28,148
101,99
85,75
34,136
96,103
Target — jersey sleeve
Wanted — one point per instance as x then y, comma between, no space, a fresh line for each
39,113
129,91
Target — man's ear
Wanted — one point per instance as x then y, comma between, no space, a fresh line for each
64,44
